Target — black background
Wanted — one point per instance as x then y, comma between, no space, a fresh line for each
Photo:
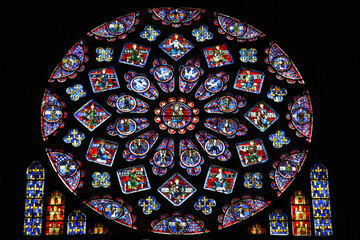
317,37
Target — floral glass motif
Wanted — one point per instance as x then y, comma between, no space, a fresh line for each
104,54
76,223
276,93
253,180
35,175
205,204
76,92
248,55
279,139
149,204
177,123
202,33
101,180
74,137
150,33
278,223
321,200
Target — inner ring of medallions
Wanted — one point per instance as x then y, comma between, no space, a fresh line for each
176,115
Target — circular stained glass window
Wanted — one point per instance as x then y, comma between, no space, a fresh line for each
176,121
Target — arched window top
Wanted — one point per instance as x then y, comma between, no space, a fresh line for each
299,198
35,172
76,215
278,215
319,171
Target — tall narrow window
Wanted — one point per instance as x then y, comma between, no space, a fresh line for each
278,223
76,223
321,200
55,214
35,175
300,215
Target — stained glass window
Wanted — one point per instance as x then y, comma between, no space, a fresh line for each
300,214
278,223
98,228
35,175
321,200
76,223
177,121
55,214
256,229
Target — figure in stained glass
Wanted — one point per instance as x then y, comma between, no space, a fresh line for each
176,46
218,56
133,179
161,94
134,54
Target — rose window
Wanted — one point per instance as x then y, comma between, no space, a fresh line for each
176,121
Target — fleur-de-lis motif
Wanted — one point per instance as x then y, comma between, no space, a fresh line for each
205,204
150,33
74,137
149,204
104,54
253,180
276,93
248,55
76,92
101,180
279,139
202,33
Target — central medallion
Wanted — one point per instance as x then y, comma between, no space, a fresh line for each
176,115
